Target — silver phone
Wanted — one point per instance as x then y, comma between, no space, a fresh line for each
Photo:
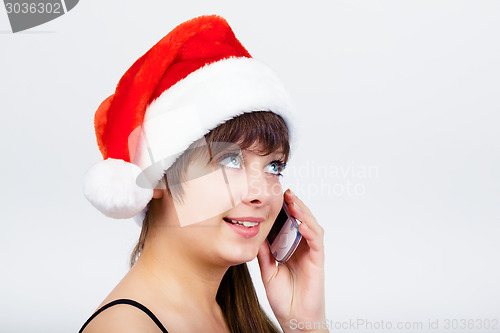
284,236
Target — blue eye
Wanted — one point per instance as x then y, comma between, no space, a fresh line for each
236,161
231,161
276,168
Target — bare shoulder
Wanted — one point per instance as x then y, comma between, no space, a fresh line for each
122,318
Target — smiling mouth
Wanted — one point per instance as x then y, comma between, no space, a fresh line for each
246,224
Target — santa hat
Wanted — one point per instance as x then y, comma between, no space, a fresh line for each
194,79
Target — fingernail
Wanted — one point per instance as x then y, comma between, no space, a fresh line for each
293,194
297,206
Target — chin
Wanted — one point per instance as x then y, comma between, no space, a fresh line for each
241,255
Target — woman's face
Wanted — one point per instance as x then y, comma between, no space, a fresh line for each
228,206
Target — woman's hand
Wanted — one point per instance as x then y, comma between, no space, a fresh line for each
296,289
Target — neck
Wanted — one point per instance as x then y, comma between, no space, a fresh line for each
181,278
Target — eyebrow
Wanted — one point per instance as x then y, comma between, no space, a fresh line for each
216,153
274,152
278,154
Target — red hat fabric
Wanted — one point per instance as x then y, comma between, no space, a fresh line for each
194,79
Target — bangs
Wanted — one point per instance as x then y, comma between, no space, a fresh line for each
265,129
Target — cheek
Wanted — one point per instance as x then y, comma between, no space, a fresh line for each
276,206
276,203
204,197
276,189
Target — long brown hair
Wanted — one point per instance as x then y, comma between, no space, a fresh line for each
236,294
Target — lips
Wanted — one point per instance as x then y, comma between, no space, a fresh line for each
247,221
246,218
245,226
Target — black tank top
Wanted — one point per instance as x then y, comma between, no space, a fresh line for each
130,302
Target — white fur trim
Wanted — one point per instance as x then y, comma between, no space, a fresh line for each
110,186
200,102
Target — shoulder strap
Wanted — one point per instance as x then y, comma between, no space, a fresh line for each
129,302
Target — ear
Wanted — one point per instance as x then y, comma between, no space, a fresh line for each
157,193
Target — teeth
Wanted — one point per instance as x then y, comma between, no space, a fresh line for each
245,223
249,224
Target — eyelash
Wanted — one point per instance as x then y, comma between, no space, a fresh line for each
281,166
279,162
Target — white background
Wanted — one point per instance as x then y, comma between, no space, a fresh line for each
406,89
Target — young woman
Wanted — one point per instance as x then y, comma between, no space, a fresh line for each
194,140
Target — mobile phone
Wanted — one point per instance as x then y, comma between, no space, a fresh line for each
284,236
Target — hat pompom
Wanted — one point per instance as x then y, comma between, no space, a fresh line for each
111,187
